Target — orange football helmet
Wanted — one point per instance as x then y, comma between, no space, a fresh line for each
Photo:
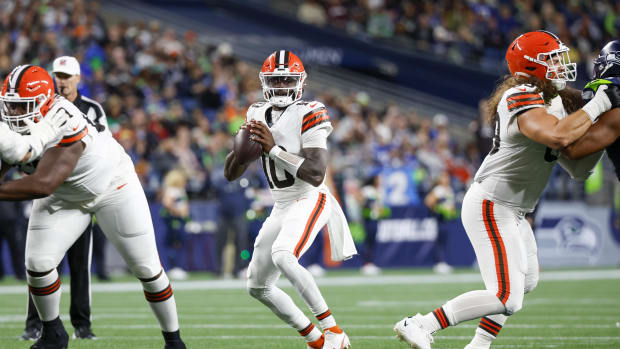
282,77
540,54
24,93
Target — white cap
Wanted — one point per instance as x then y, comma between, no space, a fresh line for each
66,64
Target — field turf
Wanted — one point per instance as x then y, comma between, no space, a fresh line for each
569,309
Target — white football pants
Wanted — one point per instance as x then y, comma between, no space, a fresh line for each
123,214
505,247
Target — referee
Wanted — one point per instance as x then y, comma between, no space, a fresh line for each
66,71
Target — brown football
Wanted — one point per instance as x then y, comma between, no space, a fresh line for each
246,150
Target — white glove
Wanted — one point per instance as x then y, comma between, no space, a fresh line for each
49,127
13,146
598,105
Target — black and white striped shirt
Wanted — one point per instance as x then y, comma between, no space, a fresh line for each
94,112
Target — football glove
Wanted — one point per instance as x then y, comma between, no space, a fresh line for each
599,104
49,128
613,90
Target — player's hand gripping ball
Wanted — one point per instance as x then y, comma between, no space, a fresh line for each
246,150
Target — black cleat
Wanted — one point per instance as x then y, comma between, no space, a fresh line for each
175,345
83,332
173,340
53,336
31,334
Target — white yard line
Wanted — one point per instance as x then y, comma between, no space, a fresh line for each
381,338
339,281
5,322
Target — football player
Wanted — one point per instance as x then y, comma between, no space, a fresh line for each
293,134
535,117
80,172
604,134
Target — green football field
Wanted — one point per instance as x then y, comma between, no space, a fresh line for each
569,309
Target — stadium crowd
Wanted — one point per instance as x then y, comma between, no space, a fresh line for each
469,30
173,103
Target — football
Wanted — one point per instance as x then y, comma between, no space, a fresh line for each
246,150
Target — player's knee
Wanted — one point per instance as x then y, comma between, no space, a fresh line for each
514,303
283,258
531,281
39,264
257,292
145,271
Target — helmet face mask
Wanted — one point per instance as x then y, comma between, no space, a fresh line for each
559,66
543,55
282,78
24,92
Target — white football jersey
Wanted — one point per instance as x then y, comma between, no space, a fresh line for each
517,169
291,128
102,159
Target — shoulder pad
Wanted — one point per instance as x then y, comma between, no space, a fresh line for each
520,88
522,97
308,106
257,105
314,114
256,110
63,103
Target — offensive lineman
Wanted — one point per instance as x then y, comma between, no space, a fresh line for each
81,172
293,134
532,124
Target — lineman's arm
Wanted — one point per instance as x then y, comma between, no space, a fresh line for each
16,148
603,133
580,169
544,128
53,169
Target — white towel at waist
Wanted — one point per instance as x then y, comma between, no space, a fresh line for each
340,239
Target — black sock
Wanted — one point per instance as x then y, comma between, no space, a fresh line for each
56,323
172,336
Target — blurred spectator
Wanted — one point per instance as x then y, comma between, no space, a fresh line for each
441,201
175,212
232,228
373,211
467,32
311,12
13,230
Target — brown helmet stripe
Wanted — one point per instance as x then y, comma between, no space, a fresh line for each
16,77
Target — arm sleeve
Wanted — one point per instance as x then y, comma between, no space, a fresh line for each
316,138
580,169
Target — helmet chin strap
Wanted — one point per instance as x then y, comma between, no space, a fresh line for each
281,101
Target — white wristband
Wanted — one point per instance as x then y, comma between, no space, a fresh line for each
285,160
598,105
592,110
275,151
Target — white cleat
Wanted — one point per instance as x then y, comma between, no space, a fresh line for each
410,330
335,340
470,346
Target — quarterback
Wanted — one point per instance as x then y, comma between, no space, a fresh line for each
535,116
78,173
293,134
